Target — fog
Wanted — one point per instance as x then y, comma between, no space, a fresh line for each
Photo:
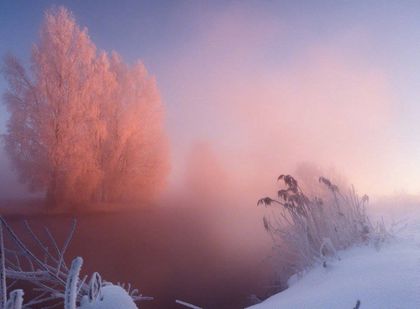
263,110
10,187
242,107
264,97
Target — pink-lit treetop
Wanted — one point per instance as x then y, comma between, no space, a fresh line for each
84,126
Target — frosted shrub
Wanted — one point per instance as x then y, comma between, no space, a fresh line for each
70,295
15,300
307,230
379,234
54,283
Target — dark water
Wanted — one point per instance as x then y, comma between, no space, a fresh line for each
209,258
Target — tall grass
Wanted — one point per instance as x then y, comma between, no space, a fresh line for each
307,230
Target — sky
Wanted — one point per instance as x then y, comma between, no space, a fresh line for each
264,85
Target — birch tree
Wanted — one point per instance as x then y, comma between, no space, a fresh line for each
84,127
135,152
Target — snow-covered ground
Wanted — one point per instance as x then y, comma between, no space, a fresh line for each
384,278
112,297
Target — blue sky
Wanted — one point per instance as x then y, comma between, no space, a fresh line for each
208,54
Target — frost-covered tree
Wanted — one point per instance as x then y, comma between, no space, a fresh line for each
134,154
84,127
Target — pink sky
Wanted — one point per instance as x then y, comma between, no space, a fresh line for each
327,105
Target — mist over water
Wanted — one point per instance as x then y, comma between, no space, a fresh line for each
247,96
10,187
170,253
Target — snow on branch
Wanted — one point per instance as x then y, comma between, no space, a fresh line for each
53,283
185,304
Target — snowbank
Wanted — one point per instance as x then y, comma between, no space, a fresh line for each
113,297
385,278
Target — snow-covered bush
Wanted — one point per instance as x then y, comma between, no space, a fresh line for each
307,230
54,284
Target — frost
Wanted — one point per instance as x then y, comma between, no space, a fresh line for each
54,284
90,132
112,297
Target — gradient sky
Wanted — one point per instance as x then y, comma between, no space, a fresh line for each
267,84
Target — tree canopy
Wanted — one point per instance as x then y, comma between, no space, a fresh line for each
84,126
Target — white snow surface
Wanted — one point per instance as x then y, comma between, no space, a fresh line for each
388,278
113,297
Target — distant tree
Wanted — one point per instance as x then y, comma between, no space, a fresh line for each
84,127
205,174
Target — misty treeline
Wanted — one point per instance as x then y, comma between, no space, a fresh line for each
84,126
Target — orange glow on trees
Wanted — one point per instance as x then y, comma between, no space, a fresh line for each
84,126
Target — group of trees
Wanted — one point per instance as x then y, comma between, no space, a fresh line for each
84,126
